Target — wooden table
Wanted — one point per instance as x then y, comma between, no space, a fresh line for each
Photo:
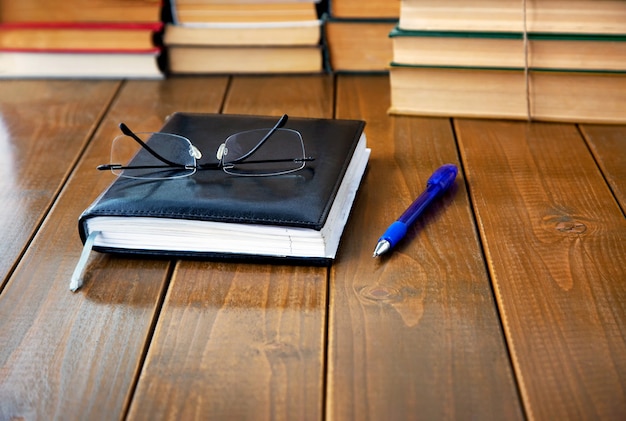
506,301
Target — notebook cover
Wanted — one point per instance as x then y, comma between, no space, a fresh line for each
300,199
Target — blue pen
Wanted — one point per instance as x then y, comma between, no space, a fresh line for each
439,182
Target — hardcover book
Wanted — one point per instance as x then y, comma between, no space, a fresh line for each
358,9
79,37
556,16
359,45
506,49
199,59
81,11
548,95
228,12
254,34
74,64
298,215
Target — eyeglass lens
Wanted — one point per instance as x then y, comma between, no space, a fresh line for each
145,165
282,153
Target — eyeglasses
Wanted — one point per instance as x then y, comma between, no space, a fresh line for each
158,156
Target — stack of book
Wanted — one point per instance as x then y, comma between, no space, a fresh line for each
357,34
244,36
541,59
79,39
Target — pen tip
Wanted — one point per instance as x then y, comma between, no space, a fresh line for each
382,247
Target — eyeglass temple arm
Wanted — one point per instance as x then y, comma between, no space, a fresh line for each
128,132
280,123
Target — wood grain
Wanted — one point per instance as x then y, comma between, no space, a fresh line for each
77,356
243,341
414,335
555,241
44,126
608,144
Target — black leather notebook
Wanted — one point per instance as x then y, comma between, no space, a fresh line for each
298,215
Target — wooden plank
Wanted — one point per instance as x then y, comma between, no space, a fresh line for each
77,356
555,241
414,334
44,127
608,144
243,341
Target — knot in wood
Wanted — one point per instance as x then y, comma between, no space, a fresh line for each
574,227
380,293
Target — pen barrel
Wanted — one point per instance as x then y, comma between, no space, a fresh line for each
417,207
441,180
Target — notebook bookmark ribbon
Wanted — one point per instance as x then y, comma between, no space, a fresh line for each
77,277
